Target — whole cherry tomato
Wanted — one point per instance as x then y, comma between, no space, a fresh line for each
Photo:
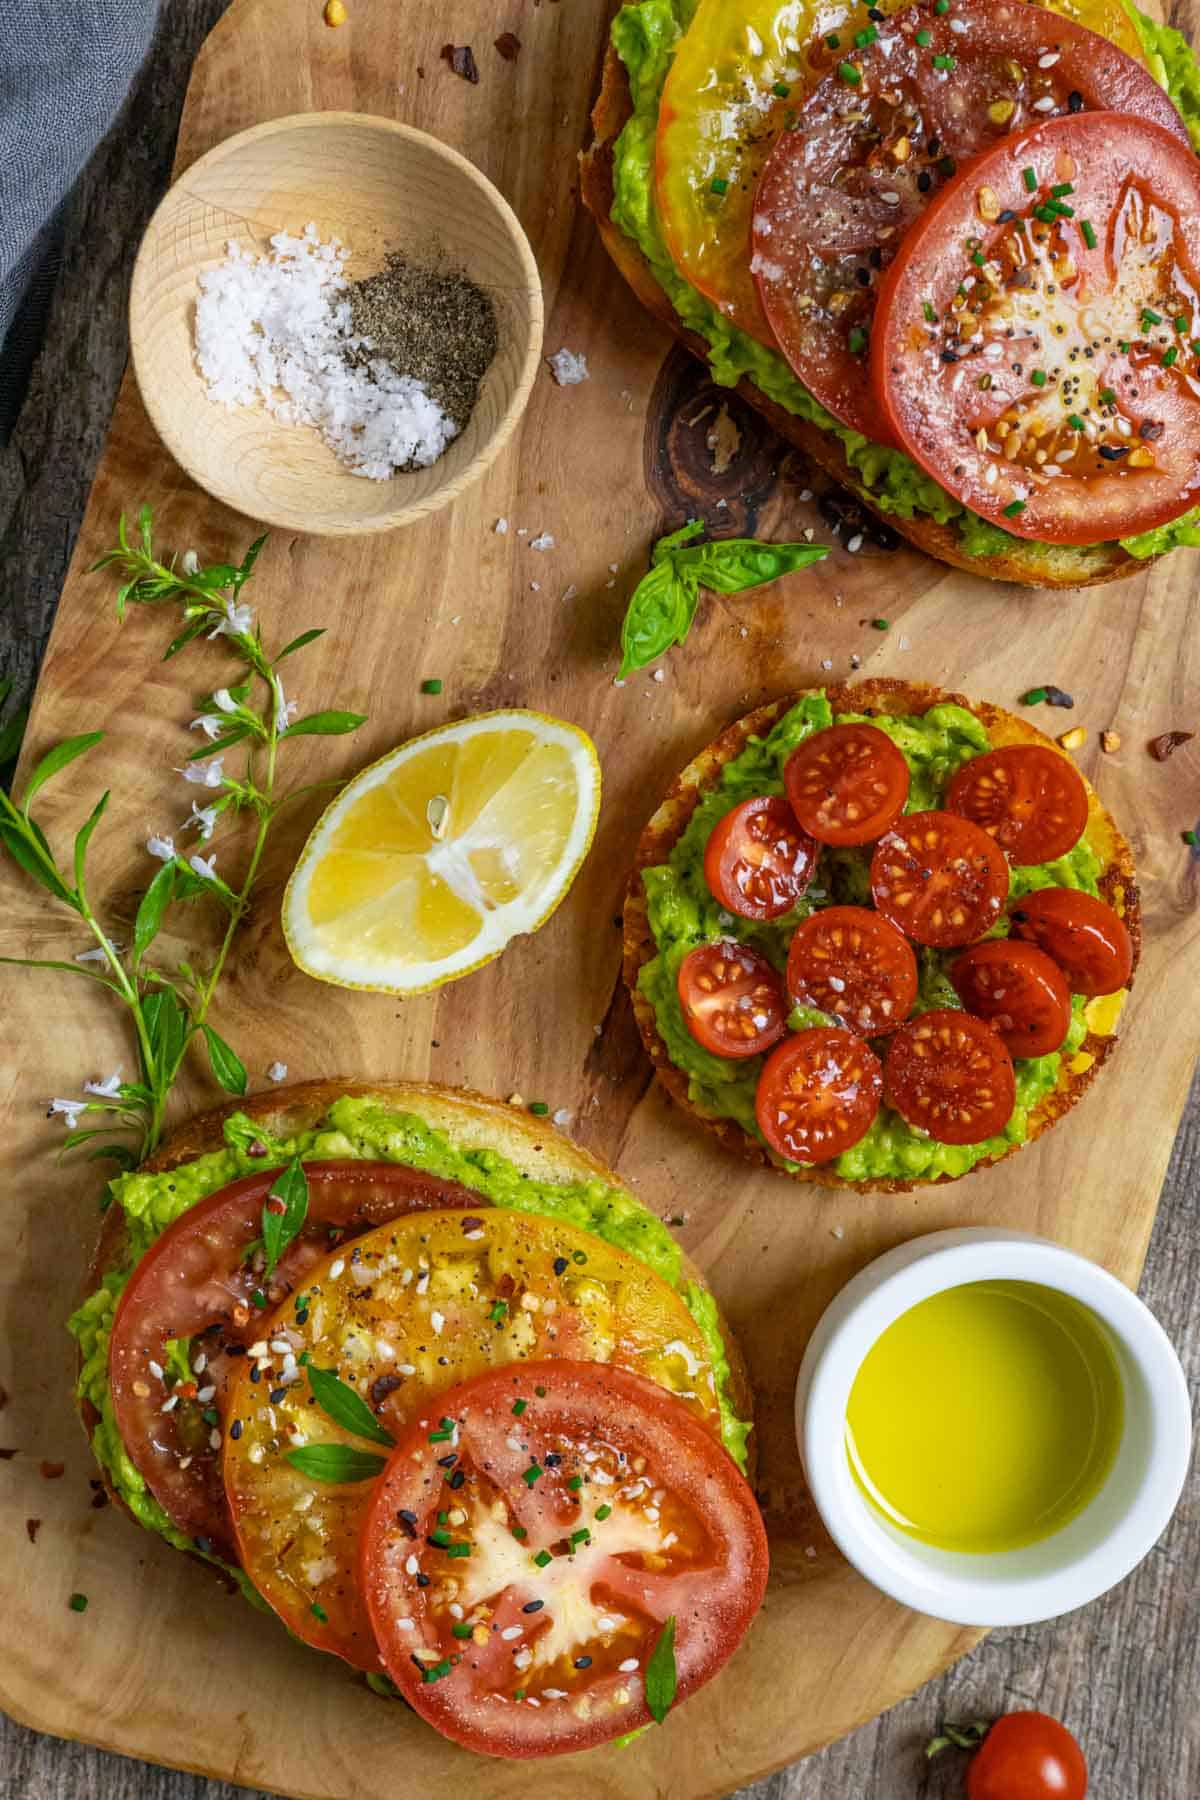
1023,1756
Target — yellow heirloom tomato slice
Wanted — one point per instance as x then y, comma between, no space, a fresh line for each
400,1316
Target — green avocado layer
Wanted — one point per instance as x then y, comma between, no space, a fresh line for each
645,34
683,913
372,1130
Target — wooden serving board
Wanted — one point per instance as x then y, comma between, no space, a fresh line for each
164,1664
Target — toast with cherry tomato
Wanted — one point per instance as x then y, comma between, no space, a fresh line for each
422,1377
878,936
947,250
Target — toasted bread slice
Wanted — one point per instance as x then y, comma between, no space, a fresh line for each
1033,565
1118,885
469,1119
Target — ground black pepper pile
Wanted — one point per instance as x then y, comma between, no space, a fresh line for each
432,324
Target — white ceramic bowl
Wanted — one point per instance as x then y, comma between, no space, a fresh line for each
1094,1550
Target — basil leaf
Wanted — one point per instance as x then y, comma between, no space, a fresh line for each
665,546
344,1406
660,612
730,565
227,1065
336,1462
150,912
279,1228
56,760
325,724
660,1674
306,637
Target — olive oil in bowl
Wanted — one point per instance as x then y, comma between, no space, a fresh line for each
987,1416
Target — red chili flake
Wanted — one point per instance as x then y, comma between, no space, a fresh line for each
32,1527
51,1471
1162,747
509,45
186,1390
461,59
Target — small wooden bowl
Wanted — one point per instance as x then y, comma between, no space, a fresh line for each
378,186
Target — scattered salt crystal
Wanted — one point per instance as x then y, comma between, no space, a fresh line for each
277,1072
544,541
535,587
567,368
571,592
500,527
562,1116
855,544
277,329
827,662
658,676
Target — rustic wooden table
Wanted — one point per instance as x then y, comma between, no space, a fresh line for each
1124,1672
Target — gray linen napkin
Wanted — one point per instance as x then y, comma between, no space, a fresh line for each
65,68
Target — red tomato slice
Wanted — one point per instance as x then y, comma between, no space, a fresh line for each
196,1282
817,1094
939,878
594,1510
949,1074
1028,797
1041,364
1027,1756
1019,991
852,962
846,784
732,999
1081,934
758,862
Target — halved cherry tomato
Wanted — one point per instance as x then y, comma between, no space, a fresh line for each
846,784
732,999
594,1510
1027,1756
1036,353
939,878
196,1281
758,862
406,1312
1083,935
818,1094
880,137
1022,994
1030,798
949,1074
852,962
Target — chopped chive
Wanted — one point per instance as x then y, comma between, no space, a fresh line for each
927,309
78,1602
1169,357
439,1539
1061,189
460,1629
1075,422
849,74
1013,508
1150,318
833,41
520,1533
781,90
943,6
582,1536
519,1407
538,1108
857,341
532,1473
1061,210
1107,396
498,1312
924,38
518,1693
1029,177
868,35
1196,346
575,1483
719,185
944,62
1038,378
318,1612
603,1512
542,1558
1189,837
1124,346
881,624
458,1549
432,686
1181,323
259,1299
437,1672
1034,697
978,258
1089,234
1045,214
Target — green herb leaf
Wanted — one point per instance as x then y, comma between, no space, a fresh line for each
280,1227
56,761
227,1065
298,643
345,1406
167,1024
83,838
666,545
248,561
154,903
730,565
325,724
185,637
23,853
660,1674
660,613
336,1463
234,735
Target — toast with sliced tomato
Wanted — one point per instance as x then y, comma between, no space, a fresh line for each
1130,448
884,973
393,1354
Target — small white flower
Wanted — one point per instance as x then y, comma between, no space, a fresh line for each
190,562
205,867
97,955
203,816
237,621
70,1110
225,700
209,775
209,725
277,1072
285,710
105,1090
162,847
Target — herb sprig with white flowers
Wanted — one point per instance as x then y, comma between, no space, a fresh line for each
169,1008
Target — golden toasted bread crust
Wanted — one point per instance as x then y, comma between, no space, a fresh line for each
1117,883
534,1145
1096,565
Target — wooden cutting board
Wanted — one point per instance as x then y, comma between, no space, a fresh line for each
164,1664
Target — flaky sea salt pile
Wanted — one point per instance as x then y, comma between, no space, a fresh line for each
277,329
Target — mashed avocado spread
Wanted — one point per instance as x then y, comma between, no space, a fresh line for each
373,1130
683,913
645,34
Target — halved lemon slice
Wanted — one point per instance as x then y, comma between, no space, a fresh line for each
435,857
